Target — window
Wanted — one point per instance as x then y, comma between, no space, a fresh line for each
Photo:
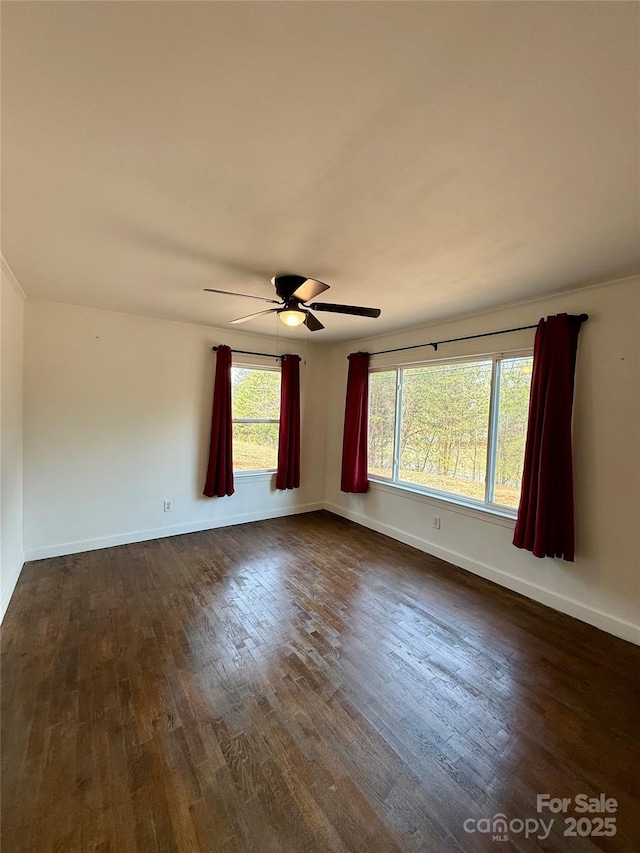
454,429
255,410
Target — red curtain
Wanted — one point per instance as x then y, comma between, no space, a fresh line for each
356,425
220,468
545,515
288,476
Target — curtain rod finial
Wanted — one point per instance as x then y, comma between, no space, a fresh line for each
583,318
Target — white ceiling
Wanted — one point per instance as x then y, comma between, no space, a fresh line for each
427,158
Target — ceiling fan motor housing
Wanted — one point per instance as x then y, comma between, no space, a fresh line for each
287,284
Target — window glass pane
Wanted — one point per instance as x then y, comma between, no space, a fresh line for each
255,393
382,422
255,446
444,427
515,383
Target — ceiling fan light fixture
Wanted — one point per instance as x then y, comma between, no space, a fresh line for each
292,317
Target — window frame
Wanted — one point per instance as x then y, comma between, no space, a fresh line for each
394,482
254,472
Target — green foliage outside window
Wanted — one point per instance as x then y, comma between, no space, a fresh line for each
444,412
255,394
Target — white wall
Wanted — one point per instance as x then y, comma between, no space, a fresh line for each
11,468
117,419
603,585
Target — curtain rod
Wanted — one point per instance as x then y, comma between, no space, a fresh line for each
248,352
435,344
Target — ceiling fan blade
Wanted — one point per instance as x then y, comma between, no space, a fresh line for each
345,309
247,295
312,323
310,289
287,284
251,316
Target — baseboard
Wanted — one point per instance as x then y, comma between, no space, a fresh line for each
604,621
10,585
133,536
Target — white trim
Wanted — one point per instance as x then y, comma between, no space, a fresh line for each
255,420
258,474
133,536
353,342
244,365
599,619
494,309
223,330
10,585
12,278
481,512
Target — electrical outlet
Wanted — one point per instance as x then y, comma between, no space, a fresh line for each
168,506
437,521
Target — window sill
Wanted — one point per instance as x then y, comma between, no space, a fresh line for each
255,475
504,518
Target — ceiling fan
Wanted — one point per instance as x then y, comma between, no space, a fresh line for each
295,306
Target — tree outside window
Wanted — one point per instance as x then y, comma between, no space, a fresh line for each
255,406
435,427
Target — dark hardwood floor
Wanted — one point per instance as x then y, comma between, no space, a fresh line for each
301,684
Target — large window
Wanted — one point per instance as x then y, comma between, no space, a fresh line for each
453,429
255,405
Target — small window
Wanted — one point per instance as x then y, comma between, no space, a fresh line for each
452,429
255,409
382,422
512,417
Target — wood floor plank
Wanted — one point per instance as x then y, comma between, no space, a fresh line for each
300,685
